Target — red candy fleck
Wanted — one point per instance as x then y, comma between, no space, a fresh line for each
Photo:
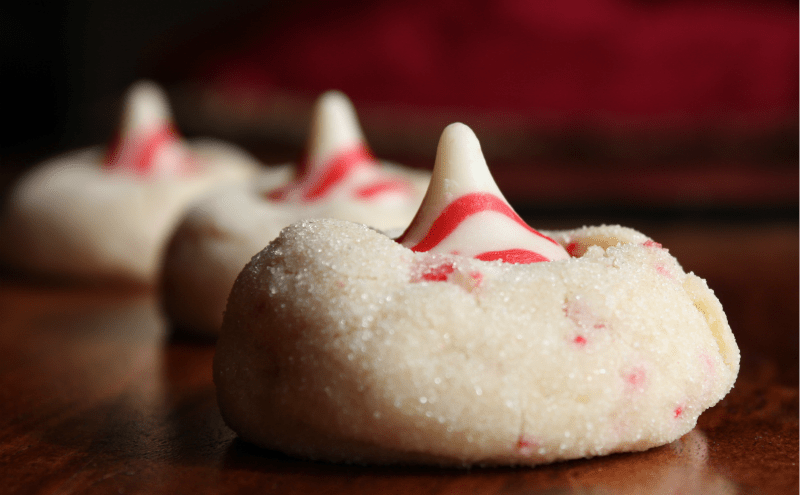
636,377
438,273
678,412
468,281
708,363
526,445
445,271
663,271
652,244
574,249
583,317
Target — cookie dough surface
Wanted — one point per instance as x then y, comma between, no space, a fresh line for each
220,234
340,344
338,178
70,217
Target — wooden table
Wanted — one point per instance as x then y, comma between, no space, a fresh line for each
98,396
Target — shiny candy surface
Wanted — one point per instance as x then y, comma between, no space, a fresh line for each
338,164
465,213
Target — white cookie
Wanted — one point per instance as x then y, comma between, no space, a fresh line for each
220,234
335,347
107,214
341,344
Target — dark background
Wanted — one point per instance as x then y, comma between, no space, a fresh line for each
65,64
591,111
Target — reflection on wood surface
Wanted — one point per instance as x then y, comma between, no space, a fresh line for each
97,396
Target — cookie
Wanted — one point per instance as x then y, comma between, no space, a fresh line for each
107,213
341,344
337,178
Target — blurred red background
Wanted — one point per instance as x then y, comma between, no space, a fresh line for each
655,103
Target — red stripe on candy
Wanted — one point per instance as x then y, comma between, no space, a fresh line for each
141,154
381,187
461,209
518,256
151,146
336,170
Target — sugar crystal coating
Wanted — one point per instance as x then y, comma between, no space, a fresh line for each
456,345
335,345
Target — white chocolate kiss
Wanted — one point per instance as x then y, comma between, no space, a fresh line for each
338,162
334,126
465,213
148,143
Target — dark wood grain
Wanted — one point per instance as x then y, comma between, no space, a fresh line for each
97,396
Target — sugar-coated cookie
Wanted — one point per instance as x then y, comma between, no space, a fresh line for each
102,213
452,347
338,178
